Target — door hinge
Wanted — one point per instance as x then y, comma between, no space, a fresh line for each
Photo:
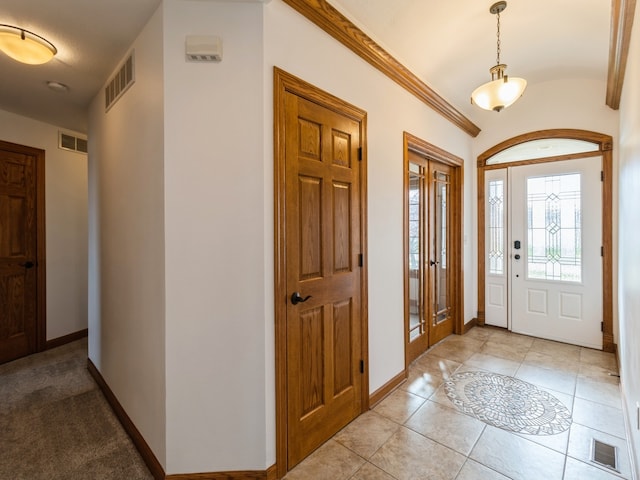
361,366
359,153
602,175
602,251
360,260
602,326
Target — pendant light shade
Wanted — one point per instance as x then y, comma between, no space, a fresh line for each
499,93
25,46
502,90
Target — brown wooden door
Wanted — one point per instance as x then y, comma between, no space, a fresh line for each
18,237
417,225
322,248
440,246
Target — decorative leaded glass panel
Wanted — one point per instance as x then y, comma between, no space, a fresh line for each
417,324
554,228
440,278
415,207
496,227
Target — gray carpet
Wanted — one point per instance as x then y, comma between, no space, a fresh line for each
56,424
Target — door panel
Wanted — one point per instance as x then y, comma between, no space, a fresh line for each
17,255
310,207
310,360
557,280
441,324
342,346
418,311
324,328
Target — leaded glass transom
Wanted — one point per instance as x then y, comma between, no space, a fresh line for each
544,147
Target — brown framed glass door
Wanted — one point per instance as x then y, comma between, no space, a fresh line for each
440,281
433,254
418,334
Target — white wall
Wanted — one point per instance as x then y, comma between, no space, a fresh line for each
219,220
66,222
126,309
566,103
629,232
182,188
297,46
214,226
209,129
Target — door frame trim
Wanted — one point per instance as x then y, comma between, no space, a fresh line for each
605,150
41,277
283,83
411,143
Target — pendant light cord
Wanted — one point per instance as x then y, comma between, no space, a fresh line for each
498,40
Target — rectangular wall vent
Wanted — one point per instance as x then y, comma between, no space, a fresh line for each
203,48
605,455
204,57
119,83
74,143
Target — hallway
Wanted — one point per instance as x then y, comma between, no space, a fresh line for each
55,423
416,432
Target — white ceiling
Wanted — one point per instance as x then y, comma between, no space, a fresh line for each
91,36
452,44
449,44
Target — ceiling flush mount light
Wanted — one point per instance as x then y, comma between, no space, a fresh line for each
502,90
57,87
25,46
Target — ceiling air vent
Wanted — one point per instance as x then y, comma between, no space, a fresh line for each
119,83
67,141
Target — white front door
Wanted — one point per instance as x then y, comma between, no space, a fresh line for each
555,240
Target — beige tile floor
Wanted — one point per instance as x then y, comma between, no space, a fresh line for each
417,433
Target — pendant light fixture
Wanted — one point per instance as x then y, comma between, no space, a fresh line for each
25,46
502,90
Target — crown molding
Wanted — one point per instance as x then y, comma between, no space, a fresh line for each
329,19
622,13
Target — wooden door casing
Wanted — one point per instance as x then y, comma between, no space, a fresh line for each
321,343
605,149
21,251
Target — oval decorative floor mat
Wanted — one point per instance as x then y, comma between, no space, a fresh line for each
507,403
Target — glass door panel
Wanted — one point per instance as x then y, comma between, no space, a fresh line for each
495,254
440,292
441,304
416,250
554,228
